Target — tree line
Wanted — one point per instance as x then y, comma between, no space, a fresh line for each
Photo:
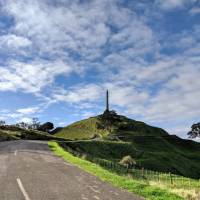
35,124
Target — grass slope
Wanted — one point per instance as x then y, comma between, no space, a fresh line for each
125,128
14,133
152,147
84,129
145,190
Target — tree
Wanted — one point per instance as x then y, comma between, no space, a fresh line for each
35,123
2,123
22,125
195,131
107,120
46,127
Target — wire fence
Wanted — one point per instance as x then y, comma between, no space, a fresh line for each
167,179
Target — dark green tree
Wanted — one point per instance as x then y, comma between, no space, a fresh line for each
195,131
107,120
46,127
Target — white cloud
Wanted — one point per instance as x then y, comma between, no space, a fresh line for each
195,11
22,114
88,114
170,4
181,131
122,95
62,124
175,93
25,119
81,28
77,27
79,94
28,110
13,41
31,77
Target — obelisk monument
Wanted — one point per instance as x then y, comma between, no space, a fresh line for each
107,101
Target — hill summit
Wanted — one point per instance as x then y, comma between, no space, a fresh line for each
122,127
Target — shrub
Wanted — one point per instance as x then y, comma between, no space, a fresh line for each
128,161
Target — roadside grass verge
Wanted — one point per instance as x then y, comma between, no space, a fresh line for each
134,186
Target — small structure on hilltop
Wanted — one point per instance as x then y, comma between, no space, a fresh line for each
108,118
107,111
107,100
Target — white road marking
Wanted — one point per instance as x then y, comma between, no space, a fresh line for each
83,197
22,189
68,164
15,153
94,189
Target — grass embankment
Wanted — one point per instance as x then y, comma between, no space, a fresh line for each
134,186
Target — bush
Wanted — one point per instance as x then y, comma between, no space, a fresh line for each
128,161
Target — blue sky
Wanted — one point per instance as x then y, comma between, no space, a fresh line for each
57,58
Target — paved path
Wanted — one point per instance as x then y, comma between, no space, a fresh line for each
30,171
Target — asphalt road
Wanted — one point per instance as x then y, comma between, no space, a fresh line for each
30,171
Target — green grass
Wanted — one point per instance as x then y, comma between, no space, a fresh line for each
6,136
134,186
84,129
109,150
166,158
87,128
161,151
14,133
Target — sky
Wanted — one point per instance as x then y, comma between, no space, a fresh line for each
58,57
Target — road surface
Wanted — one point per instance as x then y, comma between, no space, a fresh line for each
30,171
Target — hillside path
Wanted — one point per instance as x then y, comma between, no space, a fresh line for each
30,171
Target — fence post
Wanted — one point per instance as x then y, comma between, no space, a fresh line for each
171,180
182,181
189,183
143,172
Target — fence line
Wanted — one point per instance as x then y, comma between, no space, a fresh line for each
145,175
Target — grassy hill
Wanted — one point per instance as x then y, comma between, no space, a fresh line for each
152,147
125,127
14,133
84,129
